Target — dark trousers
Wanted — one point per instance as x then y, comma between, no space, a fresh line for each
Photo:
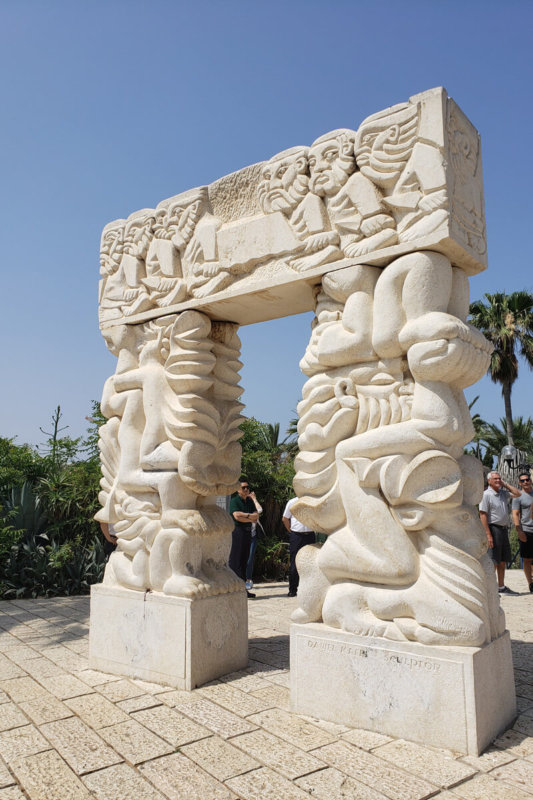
240,549
297,541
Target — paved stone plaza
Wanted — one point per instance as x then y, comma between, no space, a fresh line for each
68,732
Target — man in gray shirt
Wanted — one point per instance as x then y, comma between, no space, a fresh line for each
494,514
524,524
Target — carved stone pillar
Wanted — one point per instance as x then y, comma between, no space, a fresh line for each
169,449
381,470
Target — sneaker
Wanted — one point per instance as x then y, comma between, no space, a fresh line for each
506,590
250,594
249,585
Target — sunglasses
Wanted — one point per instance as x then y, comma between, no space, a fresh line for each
245,487
525,480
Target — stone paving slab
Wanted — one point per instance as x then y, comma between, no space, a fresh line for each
220,758
134,742
6,778
11,717
21,741
175,728
181,779
422,761
45,708
11,793
285,758
330,784
82,748
45,776
120,782
69,732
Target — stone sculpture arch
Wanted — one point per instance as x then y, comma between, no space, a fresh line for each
377,230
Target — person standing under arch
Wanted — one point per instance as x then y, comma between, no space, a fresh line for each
299,536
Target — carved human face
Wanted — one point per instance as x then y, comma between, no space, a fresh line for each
111,249
284,181
464,152
174,214
330,164
138,233
119,337
461,527
384,143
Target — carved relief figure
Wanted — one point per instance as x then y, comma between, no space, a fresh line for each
192,230
124,248
410,172
168,449
173,226
354,205
138,233
285,188
381,466
467,193
111,283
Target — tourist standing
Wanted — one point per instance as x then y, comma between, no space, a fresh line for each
244,513
299,536
110,539
524,524
256,529
494,514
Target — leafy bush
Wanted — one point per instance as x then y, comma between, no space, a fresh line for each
271,561
51,545
49,542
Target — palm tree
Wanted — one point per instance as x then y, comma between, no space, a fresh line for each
477,440
507,322
291,439
494,437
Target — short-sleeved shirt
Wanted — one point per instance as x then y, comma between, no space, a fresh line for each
496,506
524,504
296,525
246,506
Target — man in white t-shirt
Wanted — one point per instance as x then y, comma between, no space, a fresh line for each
299,537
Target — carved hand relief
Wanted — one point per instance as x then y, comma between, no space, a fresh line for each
381,469
408,178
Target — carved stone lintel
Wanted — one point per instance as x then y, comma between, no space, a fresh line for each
409,178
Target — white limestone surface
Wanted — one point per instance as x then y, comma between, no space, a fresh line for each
458,698
176,641
409,178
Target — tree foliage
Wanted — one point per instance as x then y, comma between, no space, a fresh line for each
49,542
18,463
268,465
507,322
493,438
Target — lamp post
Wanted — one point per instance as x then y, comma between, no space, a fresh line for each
509,458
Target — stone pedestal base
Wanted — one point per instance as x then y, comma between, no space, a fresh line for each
171,640
458,698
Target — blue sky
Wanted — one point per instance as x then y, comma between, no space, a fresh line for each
109,107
